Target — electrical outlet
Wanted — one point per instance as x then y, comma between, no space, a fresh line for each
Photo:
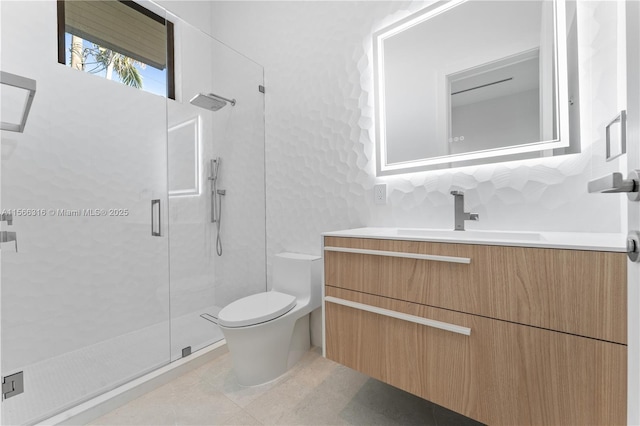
380,193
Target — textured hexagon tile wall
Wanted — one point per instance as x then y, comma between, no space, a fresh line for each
320,131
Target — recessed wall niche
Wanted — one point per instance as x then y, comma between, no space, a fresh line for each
184,158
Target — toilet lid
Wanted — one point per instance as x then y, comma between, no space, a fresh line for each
256,308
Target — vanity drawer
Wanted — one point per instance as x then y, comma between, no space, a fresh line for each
500,374
574,291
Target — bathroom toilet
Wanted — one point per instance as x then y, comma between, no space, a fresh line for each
268,332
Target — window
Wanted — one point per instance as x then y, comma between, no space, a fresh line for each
119,40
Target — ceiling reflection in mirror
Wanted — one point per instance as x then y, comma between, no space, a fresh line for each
473,80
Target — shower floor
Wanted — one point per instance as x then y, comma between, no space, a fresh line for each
90,371
60,382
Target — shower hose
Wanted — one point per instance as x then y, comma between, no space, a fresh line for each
216,202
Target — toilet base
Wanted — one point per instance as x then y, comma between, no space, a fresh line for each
300,341
263,352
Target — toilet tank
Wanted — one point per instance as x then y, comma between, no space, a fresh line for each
299,275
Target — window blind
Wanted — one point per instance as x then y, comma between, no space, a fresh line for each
119,27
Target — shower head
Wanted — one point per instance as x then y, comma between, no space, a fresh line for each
211,101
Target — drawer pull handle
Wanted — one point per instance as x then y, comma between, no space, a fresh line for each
433,257
401,316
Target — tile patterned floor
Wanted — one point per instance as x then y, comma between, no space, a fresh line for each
316,391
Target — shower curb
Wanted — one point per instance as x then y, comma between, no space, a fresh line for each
90,410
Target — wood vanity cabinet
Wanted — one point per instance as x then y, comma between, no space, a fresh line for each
504,335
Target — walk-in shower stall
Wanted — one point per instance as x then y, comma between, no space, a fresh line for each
115,270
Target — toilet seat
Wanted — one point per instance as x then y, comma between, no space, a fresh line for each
256,309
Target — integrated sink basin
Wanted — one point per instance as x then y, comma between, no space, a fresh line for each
561,240
463,235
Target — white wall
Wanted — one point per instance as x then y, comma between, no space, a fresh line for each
320,131
196,12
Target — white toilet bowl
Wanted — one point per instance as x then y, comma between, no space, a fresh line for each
268,332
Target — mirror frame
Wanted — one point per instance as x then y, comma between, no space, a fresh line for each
491,155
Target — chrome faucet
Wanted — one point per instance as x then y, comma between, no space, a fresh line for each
459,214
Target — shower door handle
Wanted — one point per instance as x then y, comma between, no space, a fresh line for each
155,212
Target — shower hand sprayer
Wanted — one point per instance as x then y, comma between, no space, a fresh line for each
216,201
213,102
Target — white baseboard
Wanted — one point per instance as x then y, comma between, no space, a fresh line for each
90,410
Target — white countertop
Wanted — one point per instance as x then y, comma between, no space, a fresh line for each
557,240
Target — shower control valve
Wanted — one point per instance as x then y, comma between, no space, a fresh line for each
7,217
7,237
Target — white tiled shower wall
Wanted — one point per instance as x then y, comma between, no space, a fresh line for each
320,131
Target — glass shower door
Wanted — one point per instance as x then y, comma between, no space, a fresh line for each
85,296
202,280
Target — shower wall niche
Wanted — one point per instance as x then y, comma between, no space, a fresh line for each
91,301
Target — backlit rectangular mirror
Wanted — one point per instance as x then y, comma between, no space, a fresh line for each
468,82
